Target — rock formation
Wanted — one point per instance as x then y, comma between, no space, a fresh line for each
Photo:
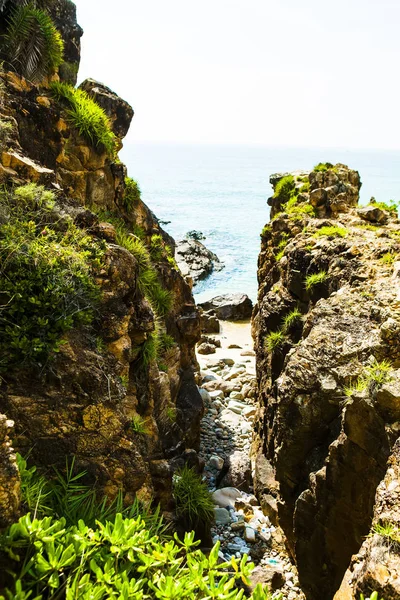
229,307
85,402
326,331
194,259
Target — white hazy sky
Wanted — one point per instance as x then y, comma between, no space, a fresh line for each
273,72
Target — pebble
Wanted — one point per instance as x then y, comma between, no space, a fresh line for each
216,462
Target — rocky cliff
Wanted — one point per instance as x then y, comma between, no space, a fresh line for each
117,391
326,329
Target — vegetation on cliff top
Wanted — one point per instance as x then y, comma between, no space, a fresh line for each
88,118
32,45
47,270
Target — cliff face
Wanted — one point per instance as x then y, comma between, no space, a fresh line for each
326,332
127,415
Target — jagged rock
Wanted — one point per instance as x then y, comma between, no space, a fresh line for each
230,307
118,110
319,454
64,17
206,348
376,566
373,214
209,322
239,472
195,260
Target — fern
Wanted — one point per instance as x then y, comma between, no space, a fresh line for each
33,45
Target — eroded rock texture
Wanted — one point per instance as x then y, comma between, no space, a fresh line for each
83,403
320,448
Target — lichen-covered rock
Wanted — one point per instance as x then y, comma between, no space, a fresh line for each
327,313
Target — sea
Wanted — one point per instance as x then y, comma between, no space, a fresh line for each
222,192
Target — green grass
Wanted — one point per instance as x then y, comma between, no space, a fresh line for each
274,340
171,413
32,44
86,116
290,319
149,349
301,209
321,167
359,386
368,227
392,206
305,188
265,230
373,596
193,500
378,372
388,531
279,255
388,259
315,279
331,231
47,277
138,425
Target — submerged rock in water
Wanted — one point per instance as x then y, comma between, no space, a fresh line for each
230,307
194,259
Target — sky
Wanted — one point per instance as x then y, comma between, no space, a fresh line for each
307,73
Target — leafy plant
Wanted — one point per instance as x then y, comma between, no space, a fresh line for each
121,558
274,340
331,231
149,349
193,500
315,279
32,44
46,277
373,596
285,189
138,424
88,118
131,194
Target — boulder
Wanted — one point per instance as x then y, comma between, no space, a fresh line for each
269,575
209,322
373,214
118,110
230,307
206,348
239,471
195,260
226,497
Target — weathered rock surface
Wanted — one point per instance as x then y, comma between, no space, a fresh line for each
195,260
10,484
376,566
83,406
321,441
229,307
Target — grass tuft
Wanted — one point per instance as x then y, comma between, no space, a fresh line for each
193,500
321,167
138,425
274,340
331,231
290,319
88,118
315,279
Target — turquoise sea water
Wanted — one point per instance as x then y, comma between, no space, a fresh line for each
223,190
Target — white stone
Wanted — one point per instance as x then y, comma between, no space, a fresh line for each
236,406
216,394
249,411
226,497
236,396
250,535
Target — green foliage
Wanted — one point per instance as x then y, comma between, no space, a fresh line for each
156,247
285,189
388,531
6,128
301,209
331,231
374,375
86,116
32,44
323,166
359,386
373,596
171,413
290,319
266,229
315,279
279,255
138,424
368,227
131,194
149,350
274,340
392,206
193,500
46,277
388,259
120,559
166,342
305,188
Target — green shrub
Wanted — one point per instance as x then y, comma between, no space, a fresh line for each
392,206
305,188
86,116
131,194
157,247
121,558
331,231
32,44
149,349
274,340
193,500
46,277
315,279
323,166
285,189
